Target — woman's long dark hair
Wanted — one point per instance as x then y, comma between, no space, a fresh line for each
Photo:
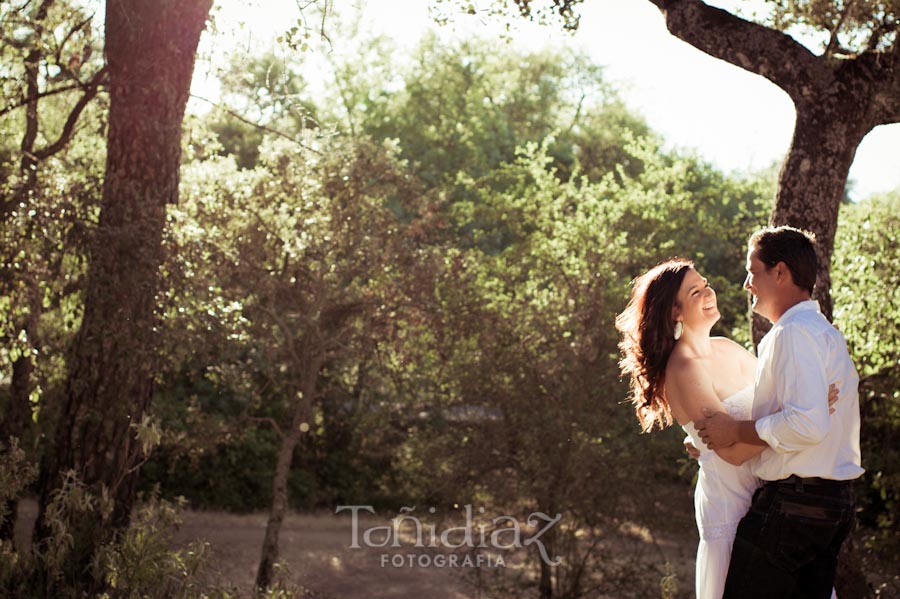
648,338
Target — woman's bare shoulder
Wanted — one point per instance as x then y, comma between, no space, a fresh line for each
683,368
726,344
733,352
723,342
689,387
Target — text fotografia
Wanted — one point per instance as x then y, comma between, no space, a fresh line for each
506,534
424,560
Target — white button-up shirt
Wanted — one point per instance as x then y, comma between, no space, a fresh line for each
799,357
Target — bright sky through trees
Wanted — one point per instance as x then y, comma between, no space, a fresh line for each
735,119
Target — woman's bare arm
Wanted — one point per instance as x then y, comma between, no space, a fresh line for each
690,391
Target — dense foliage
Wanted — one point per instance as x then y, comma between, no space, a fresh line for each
867,271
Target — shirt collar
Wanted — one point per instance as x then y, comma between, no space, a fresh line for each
804,306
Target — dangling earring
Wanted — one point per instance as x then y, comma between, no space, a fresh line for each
679,329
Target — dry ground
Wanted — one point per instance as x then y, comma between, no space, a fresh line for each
316,550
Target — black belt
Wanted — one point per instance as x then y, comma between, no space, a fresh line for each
812,481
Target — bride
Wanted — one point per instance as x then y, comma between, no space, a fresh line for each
677,370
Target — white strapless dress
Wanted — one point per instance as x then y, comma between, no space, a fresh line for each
721,499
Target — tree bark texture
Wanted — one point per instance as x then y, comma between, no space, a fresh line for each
813,177
150,50
302,413
811,184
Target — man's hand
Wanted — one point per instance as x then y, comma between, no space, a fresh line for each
717,430
832,397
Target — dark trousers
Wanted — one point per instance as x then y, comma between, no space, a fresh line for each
787,544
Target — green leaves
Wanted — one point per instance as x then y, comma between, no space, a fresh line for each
844,27
148,434
866,281
866,276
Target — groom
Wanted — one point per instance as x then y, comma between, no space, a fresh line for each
787,544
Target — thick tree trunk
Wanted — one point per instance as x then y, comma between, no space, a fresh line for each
813,178
302,412
813,181
150,50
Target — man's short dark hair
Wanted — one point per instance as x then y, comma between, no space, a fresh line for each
795,247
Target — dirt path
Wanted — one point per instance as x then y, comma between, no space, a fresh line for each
316,551
314,547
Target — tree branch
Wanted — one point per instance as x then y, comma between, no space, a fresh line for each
577,118
884,69
257,125
834,32
90,91
75,28
51,92
755,48
32,63
885,26
263,420
31,111
343,93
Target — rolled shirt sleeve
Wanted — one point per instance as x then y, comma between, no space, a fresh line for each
799,359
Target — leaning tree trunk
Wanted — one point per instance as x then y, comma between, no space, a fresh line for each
150,50
289,441
813,180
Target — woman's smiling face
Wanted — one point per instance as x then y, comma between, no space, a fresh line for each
696,301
